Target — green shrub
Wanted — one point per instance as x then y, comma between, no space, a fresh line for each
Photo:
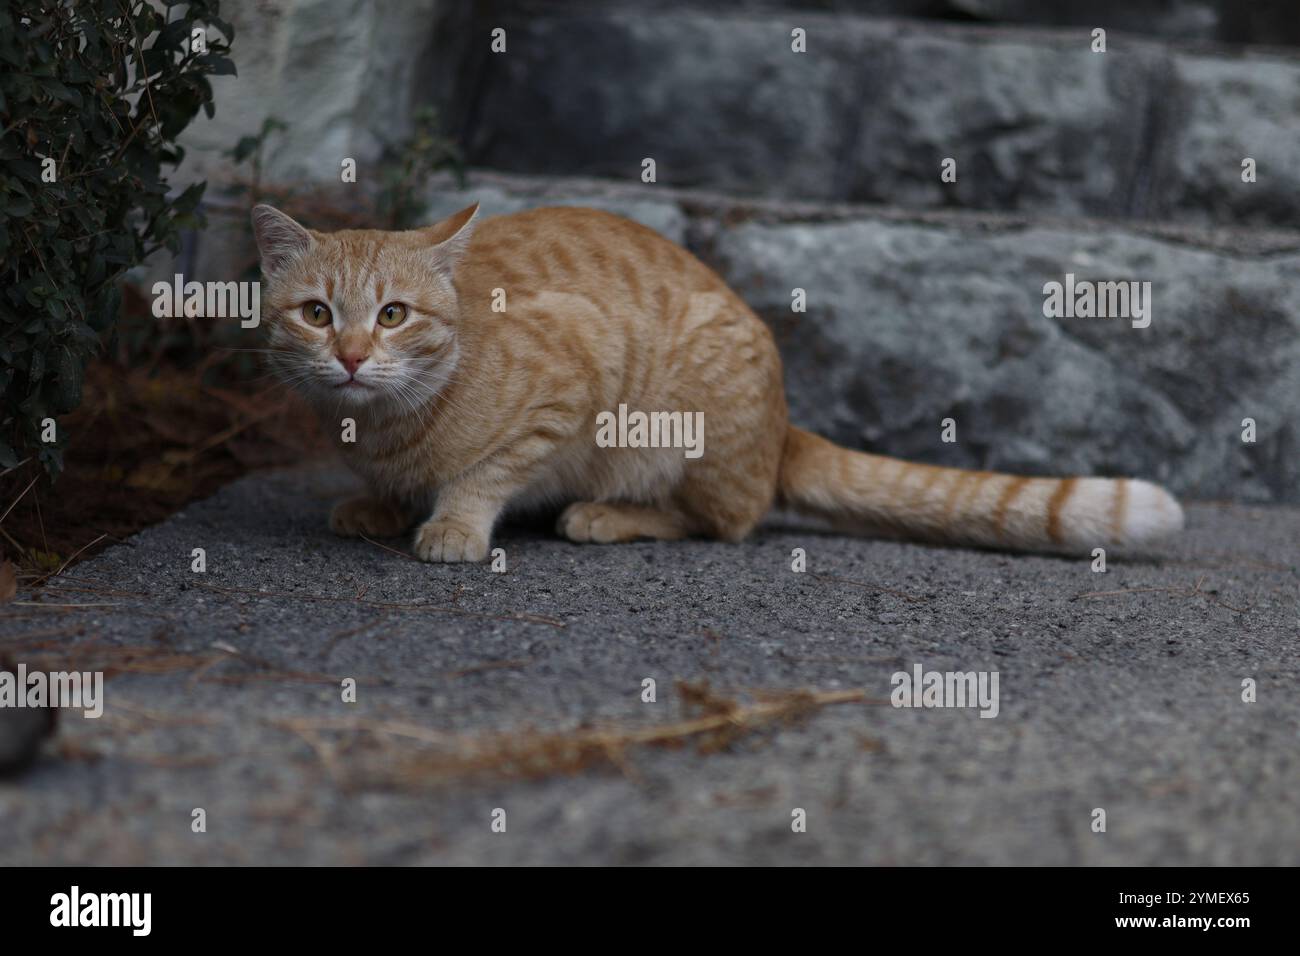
103,88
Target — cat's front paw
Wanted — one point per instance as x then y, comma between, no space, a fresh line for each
450,540
368,516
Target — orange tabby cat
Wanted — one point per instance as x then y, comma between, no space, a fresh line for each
477,363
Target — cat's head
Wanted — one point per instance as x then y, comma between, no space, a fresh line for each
361,317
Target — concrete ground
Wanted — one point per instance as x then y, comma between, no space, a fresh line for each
522,692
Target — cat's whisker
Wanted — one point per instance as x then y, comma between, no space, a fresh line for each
226,348
431,398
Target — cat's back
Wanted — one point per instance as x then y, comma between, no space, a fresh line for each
579,249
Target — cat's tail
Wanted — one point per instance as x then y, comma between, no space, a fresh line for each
927,503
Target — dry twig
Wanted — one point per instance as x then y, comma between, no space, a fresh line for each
1194,591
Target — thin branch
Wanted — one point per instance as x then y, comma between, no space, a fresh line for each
1194,591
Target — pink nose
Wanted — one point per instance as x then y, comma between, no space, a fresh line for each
351,362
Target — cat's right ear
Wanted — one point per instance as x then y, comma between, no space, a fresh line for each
280,239
451,237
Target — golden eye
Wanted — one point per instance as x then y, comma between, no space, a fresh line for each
317,314
391,315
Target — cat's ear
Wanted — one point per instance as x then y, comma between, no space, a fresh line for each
451,238
279,238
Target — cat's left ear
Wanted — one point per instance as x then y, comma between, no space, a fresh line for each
451,238
280,239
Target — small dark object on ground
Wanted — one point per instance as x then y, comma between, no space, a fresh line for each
22,730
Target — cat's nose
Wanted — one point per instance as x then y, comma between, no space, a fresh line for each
351,362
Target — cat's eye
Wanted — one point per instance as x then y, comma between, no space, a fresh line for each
391,315
317,314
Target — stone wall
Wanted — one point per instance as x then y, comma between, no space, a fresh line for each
1036,121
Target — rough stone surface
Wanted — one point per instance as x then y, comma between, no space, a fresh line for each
1230,110
324,67
1043,126
908,325
1270,22
1131,702
717,102
1036,121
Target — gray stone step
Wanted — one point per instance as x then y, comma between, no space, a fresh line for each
1268,22
1223,21
1037,122
917,317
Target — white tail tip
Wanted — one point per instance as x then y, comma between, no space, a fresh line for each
1151,514
1122,511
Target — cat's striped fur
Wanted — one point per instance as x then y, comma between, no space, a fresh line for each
462,411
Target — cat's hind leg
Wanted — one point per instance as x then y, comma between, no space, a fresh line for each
608,522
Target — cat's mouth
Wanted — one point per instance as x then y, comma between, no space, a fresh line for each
352,383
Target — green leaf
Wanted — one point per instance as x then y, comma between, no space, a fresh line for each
67,375
245,147
216,64
61,91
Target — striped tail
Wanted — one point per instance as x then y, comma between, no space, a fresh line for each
982,508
